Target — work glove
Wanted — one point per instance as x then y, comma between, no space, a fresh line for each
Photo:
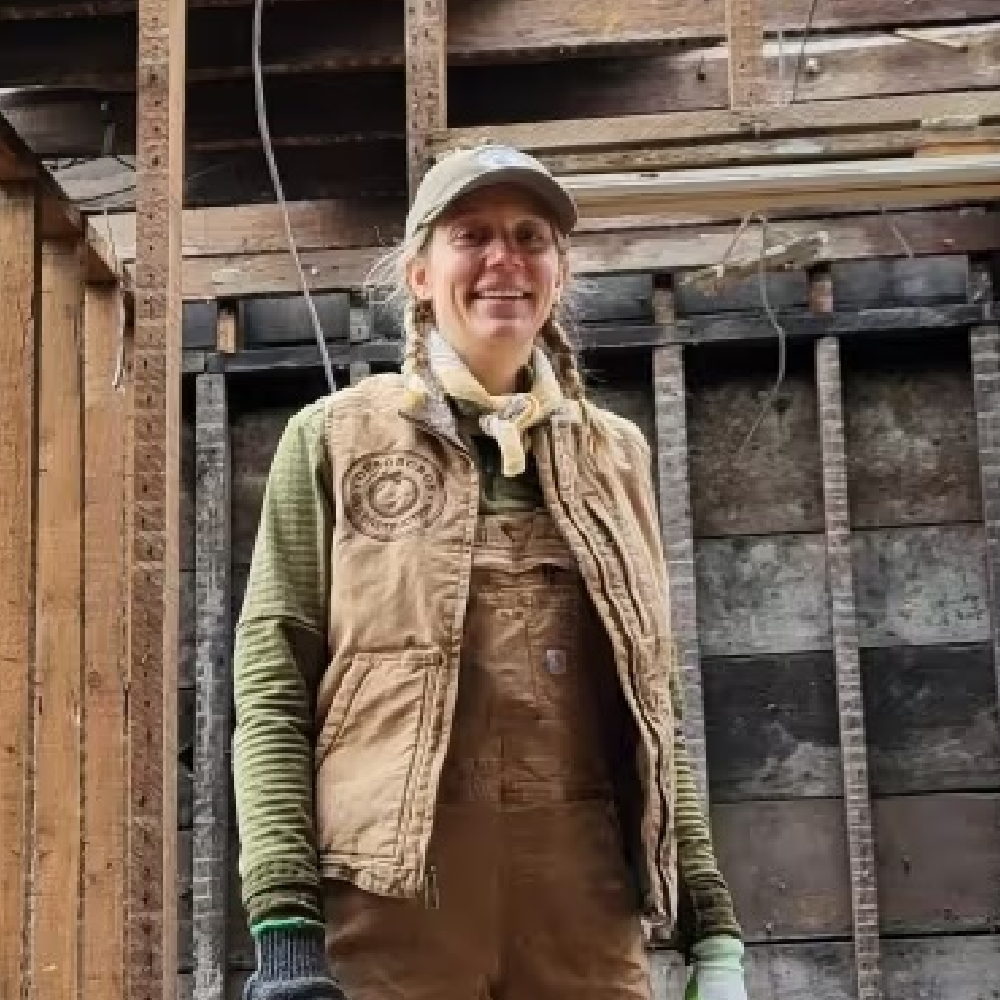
291,965
717,970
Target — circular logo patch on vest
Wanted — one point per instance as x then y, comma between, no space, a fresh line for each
393,494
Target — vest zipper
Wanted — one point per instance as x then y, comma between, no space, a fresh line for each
655,739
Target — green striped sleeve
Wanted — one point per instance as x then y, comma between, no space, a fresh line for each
711,904
280,652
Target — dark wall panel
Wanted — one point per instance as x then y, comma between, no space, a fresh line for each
931,717
771,726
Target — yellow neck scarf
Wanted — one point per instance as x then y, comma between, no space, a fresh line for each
504,418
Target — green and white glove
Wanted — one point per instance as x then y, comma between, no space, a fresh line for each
717,970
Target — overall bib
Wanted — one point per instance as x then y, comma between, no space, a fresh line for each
532,897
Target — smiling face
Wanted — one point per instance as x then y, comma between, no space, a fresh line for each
493,271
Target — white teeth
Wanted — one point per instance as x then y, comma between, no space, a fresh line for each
503,295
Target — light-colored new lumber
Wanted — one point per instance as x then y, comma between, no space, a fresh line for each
20,277
58,700
105,345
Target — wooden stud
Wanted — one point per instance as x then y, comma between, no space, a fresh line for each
984,344
20,288
105,643
58,701
426,81
745,31
670,400
844,622
228,333
213,669
153,594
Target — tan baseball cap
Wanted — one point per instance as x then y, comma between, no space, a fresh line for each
466,170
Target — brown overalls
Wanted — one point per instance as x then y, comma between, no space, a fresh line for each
532,897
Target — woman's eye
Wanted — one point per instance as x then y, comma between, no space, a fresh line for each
470,236
532,238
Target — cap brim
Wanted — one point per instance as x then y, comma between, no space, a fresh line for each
552,195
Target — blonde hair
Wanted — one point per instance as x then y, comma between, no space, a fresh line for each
387,283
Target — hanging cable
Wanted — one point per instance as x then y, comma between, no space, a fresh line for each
265,138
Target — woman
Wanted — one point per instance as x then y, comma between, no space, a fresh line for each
456,757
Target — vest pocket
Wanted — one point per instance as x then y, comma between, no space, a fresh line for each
368,752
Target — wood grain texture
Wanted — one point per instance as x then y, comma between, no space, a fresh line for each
155,544
771,727
786,863
20,285
105,649
426,50
213,670
763,594
674,248
931,714
938,862
911,433
850,708
772,482
745,42
921,586
58,701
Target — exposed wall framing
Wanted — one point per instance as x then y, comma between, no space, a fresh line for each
63,337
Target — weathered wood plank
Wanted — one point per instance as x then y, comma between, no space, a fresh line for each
234,275
745,42
938,862
762,595
774,484
771,727
789,878
426,53
850,709
984,349
58,695
239,945
214,689
911,432
254,438
932,718
946,967
865,284
914,586
105,649
921,586
20,285
153,598
674,125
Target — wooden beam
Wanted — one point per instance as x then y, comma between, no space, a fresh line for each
984,344
844,622
20,288
788,186
426,81
105,645
59,218
806,118
58,765
235,275
745,37
153,593
672,474
213,688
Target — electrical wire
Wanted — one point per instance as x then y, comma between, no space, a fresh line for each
265,138
802,49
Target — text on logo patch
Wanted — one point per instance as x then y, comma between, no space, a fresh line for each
393,494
